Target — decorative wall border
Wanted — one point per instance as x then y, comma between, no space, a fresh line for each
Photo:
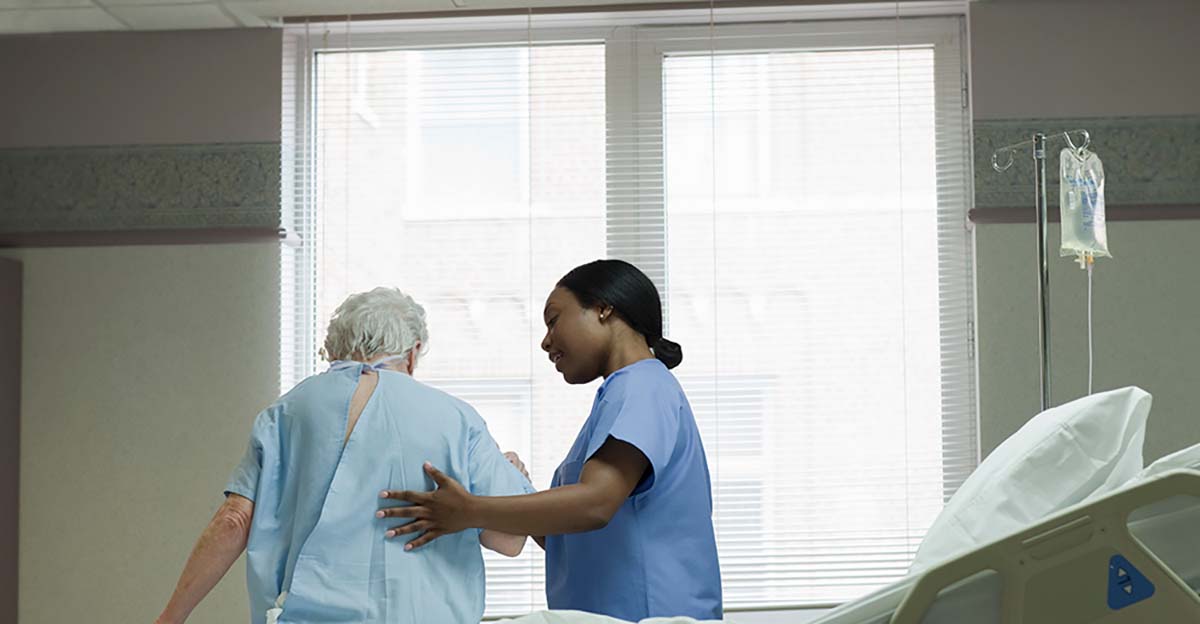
110,189
1151,166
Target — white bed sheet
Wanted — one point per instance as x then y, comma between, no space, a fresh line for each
579,617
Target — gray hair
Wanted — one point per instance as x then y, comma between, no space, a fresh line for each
383,321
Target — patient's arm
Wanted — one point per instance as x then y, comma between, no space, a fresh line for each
503,543
221,543
515,460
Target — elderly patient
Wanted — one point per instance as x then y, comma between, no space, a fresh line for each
321,454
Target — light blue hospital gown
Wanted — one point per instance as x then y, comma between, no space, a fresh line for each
314,534
658,554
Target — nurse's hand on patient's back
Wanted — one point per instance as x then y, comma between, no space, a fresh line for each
515,460
443,511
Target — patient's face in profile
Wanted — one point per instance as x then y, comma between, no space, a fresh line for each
575,338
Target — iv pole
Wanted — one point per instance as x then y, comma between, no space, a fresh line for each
1039,187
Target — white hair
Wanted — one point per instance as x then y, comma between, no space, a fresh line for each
383,321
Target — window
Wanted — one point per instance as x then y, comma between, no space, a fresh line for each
797,189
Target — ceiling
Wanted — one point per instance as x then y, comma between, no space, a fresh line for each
40,16
32,16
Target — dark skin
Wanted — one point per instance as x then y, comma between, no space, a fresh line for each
583,342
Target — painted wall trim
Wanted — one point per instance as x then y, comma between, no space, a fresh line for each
1125,212
138,187
113,238
1148,161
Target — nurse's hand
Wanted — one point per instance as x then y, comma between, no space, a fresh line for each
441,512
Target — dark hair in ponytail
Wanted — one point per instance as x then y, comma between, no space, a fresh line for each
631,294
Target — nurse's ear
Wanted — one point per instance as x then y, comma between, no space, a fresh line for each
604,313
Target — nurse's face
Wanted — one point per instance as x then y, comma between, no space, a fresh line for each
575,338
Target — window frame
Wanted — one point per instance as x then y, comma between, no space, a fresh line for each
635,46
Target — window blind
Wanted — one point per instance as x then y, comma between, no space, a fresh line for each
797,188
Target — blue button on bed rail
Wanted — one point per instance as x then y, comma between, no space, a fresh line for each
1126,584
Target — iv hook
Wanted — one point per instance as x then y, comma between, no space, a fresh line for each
1087,140
996,163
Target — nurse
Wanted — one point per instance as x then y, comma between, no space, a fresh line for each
627,522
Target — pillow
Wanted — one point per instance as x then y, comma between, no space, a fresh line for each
1058,459
1187,458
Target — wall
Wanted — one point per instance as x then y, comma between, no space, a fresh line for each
10,434
141,88
1084,58
143,369
1125,69
118,132
143,366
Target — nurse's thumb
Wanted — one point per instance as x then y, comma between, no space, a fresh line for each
437,475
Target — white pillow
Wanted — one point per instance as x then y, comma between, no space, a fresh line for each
1187,458
1058,459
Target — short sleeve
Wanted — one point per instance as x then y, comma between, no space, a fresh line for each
263,442
645,419
491,474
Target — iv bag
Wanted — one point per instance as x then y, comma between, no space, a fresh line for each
1081,204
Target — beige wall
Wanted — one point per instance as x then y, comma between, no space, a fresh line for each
136,88
143,366
1144,319
1124,59
143,369
1084,58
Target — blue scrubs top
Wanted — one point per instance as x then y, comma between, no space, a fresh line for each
314,534
658,555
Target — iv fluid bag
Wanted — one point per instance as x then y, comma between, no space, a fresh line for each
1081,204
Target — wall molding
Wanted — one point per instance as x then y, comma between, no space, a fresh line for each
111,238
107,189
1148,161
1025,214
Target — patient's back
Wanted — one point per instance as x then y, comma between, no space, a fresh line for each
314,534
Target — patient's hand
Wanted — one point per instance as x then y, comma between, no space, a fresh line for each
515,460
503,543
441,512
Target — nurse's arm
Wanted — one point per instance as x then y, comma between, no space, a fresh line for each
503,543
221,543
607,479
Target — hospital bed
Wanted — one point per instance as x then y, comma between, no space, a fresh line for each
1131,557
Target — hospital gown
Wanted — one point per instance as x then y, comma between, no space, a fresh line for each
314,538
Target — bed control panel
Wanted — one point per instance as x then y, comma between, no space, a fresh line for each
1126,584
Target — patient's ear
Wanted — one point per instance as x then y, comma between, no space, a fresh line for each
411,362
